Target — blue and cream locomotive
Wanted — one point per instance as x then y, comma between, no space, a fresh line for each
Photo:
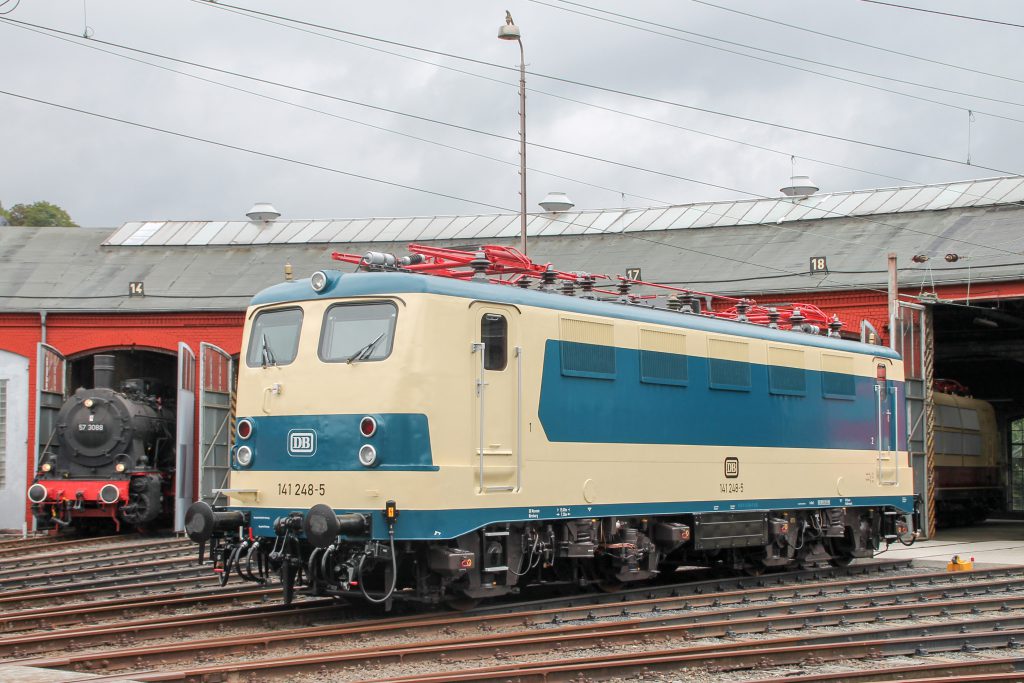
446,439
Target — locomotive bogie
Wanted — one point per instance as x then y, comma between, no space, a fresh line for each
528,437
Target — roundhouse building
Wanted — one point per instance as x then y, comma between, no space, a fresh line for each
167,299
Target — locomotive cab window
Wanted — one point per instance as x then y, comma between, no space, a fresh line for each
358,332
274,339
494,335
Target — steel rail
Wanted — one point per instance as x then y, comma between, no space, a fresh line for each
19,600
56,569
112,550
755,619
989,669
90,573
729,656
146,629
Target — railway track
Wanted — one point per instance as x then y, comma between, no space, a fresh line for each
726,630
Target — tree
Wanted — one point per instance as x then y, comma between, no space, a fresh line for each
40,214
3,214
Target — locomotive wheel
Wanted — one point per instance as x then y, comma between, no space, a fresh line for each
754,568
461,603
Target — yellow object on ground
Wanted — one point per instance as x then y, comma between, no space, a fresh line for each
959,564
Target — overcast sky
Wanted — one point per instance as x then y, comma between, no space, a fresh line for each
105,173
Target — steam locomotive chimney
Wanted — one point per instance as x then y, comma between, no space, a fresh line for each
103,372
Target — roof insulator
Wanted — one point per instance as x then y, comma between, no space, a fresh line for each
674,304
623,291
773,317
480,264
741,311
691,304
796,320
834,326
587,285
547,279
523,282
568,287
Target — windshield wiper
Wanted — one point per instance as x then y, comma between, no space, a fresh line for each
364,353
268,355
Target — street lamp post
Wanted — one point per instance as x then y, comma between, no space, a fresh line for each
509,31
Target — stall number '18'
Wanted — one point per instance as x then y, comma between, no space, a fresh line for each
300,489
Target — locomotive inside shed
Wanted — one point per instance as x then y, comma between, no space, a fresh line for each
160,366
981,346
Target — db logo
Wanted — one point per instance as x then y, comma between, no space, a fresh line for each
301,443
466,563
732,468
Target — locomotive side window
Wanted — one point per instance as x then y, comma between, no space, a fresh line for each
275,338
358,332
494,335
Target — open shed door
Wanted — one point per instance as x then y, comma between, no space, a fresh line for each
910,341
216,370
184,477
51,384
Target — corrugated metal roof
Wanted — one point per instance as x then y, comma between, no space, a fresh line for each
758,247
896,200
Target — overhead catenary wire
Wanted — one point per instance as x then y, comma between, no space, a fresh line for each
565,98
851,41
94,44
782,54
615,91
945,14
590,157
368,178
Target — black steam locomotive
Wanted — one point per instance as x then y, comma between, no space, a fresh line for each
111,455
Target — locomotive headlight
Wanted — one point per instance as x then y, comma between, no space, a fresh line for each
37,493
244,428
87,403
119,467
318,281
367,426
367,456
243,456
46,467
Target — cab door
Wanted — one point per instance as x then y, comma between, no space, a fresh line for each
498,368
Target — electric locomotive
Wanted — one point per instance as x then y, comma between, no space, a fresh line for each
447,439
968,459
111,455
